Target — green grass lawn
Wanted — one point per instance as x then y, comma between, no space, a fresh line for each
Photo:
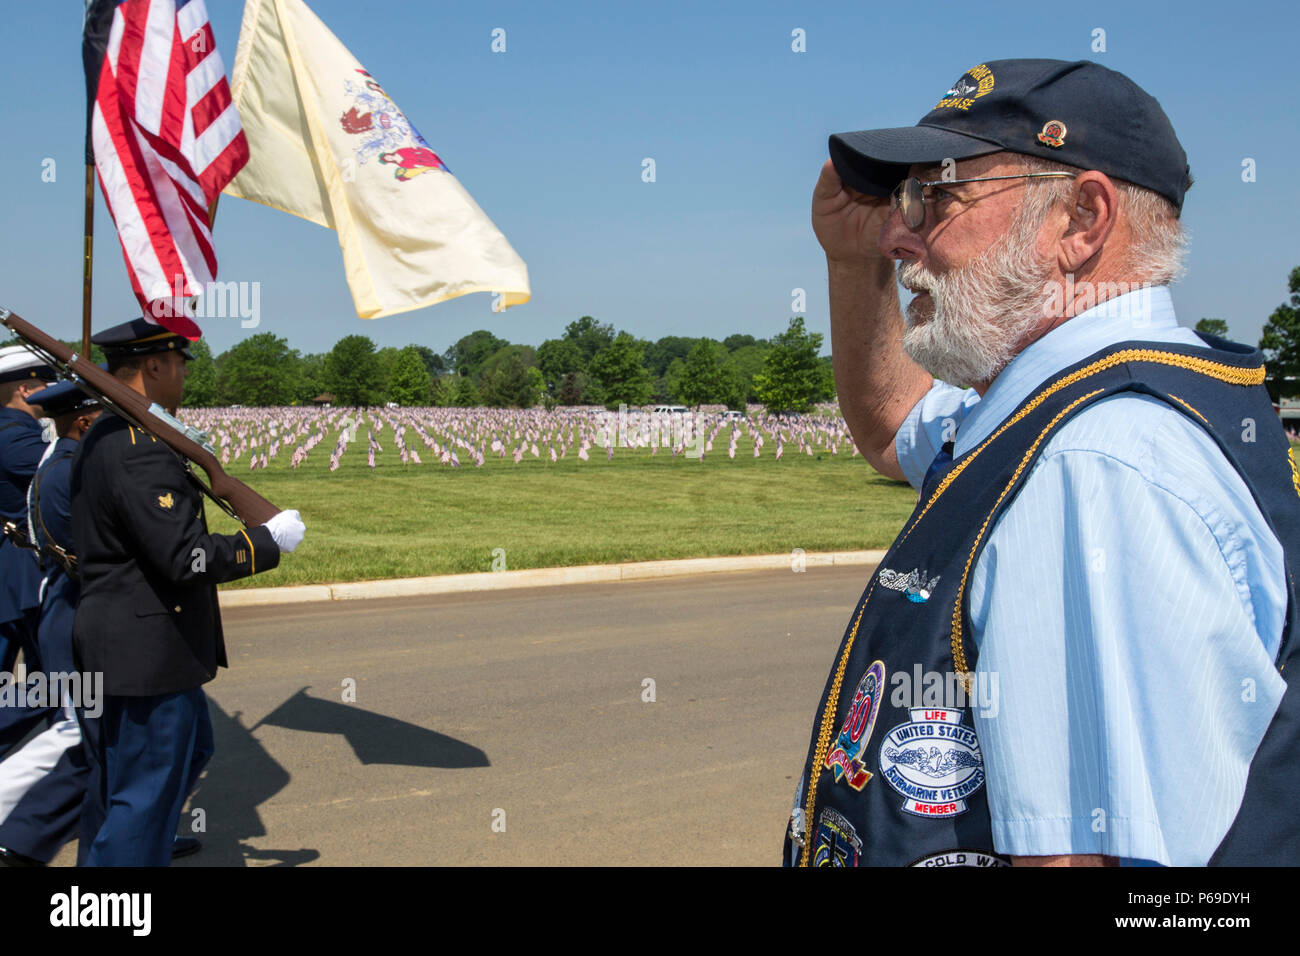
416,520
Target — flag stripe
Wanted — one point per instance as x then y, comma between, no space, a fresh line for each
209,106
115,183
153,65
167,140
226,164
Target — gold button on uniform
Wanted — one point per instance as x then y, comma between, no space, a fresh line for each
177,609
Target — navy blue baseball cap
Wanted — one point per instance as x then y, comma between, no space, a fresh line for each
140,337
1080,114
62,398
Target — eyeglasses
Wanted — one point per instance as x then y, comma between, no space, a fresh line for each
910,197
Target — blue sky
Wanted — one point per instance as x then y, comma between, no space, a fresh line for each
549,138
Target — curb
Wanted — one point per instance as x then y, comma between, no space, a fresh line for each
534,578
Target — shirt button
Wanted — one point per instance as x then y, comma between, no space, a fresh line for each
177,609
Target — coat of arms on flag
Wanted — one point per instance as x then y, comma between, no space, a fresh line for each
384,132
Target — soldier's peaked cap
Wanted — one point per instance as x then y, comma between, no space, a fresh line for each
17,364
62,398
140,337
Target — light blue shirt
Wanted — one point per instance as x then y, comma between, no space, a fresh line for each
1129,603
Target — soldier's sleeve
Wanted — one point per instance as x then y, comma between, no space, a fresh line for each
161,509
24,452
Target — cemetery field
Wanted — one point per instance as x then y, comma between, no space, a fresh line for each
410,520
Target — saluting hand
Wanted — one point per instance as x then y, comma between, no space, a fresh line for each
847,223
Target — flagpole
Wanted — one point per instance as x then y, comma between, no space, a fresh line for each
88,258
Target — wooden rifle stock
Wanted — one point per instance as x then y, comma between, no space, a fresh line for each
246,504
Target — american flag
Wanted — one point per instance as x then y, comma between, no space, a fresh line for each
165,139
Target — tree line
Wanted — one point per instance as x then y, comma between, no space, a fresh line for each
591,363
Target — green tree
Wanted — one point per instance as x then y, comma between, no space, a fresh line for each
352,371
558,358
618,373
441,390
202,389
826,380
671,390
510,378
260,370
434,363
311,378
659,355
705,377
384,359
471,351
408,382
572,388
1213,327
464,394
589,336
1280,343
793,377
746,362
738,341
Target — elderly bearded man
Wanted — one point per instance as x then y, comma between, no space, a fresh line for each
1108,526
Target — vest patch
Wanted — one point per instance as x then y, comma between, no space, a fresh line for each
838,844
934,762
914,584
848,757
961,858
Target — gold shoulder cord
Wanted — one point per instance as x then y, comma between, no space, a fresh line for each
1216,370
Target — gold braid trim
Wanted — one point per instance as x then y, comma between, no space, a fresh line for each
824,735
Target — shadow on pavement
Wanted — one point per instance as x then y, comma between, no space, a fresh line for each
241,776
373,737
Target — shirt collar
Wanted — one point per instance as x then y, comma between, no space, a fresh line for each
1145,314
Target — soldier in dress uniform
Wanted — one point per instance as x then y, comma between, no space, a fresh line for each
42,786
148,617
21,446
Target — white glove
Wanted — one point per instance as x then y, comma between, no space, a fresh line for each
287,529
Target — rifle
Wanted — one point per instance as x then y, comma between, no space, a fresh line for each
232,495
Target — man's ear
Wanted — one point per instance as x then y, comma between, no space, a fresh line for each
1093,204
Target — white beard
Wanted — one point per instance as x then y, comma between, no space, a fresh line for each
975,318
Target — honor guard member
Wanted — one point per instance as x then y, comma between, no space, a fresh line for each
148,617
43,785
21,446
1076,650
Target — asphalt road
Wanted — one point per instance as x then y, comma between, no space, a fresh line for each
514,727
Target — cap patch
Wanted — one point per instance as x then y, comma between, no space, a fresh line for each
973,84
1053,134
